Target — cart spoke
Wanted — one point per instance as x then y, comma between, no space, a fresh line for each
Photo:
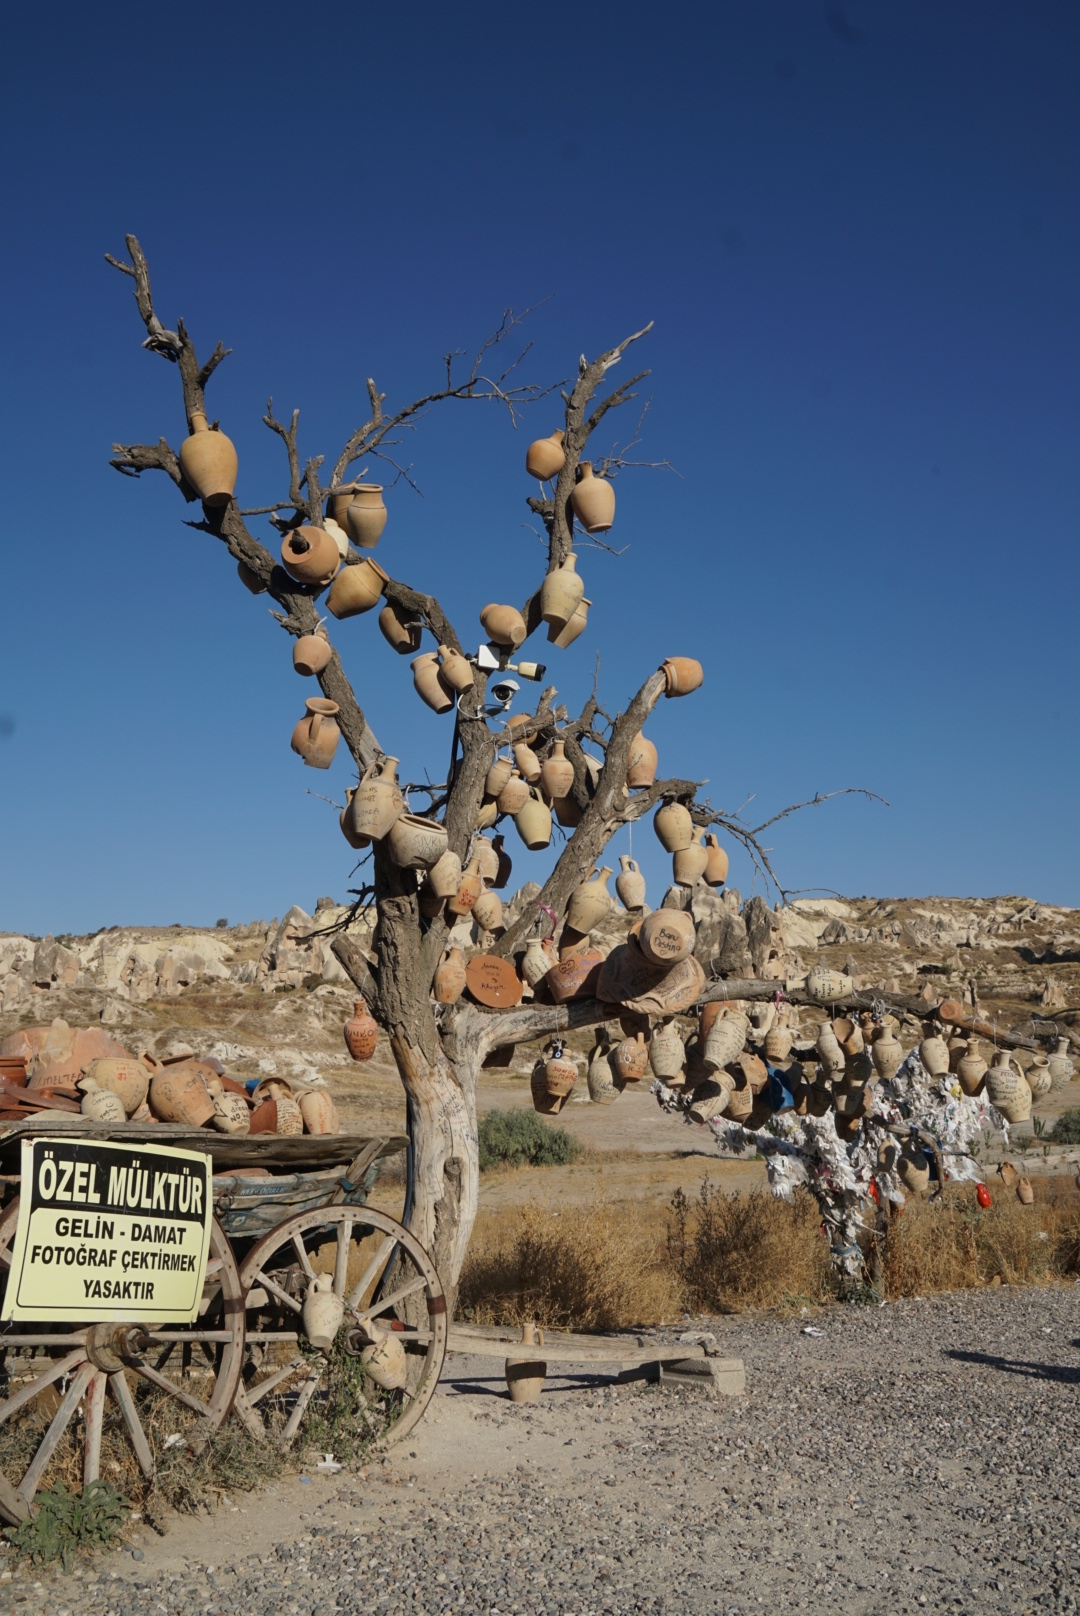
122,1392
302,1256
271,1381
341,1258
306,1394
190,1335
95,1409
276,1290
173,1390
62,1366
388,1302
371,1270
72,1398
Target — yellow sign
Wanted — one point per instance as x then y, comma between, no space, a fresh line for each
109,1233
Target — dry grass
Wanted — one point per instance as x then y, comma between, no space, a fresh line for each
601,1266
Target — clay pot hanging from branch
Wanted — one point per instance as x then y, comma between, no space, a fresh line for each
361,1032
560,594
546,457
450,977
716,868
642,763
674,826
630,884
365,515
315,738
310,555
575,625
454,670
429,687
377,801
357,589
557,772
590,902
593,500
681,675
690,863
533,823
504,625
311,653
208,462
416,843
401,631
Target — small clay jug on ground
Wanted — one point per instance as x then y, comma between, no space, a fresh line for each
310,555
667,936
716,870
450,977
689,863
590,902
504,625
399,629
416,843
1006,1089
356,589
377,801
533,823
682,675
643,763
315,738
311,653
1024,1192
318,1111
630,884
208,462
429,687
557,772
525,1376
361,1032
674,826
593,500
365,515
546,457
322,1312
561,592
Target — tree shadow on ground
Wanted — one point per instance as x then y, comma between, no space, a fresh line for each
1016,1366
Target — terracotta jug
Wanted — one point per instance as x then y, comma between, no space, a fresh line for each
827,987
593,500
716,870
497,776
100,1105
546,457
469,889
315,738
310,555
444,878
400,630
504,625
429,902
575,976
429,687
560,1071
630,884
533,823
667,1054
561,592
566,811
178,1093
1061,1066
1025,1194
454,669
1038,1077
525,1376
673,825
667,936
124,1076
934,1054
643,762
970,1069
356,589
488,911
339,502
450,977
208,462
913,1169
338,534
361,1032
311,653
887,1053
377,801
778,1042
1007,1090
232,1114
484,851
603,1089
681,675
557,772
630,1059
527,761
828,1048
353,837
322,1312
487,815
590,902
513,796
384,1361
536,963
319,1111
250,578
724,1042
568,633
416,843
365,515
689,863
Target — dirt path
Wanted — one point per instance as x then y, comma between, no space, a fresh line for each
910,1458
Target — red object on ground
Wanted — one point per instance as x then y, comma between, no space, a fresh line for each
982,1195
874,1191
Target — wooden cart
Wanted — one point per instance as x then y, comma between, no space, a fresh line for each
82,1402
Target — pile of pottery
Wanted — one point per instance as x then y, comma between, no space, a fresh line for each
82,1070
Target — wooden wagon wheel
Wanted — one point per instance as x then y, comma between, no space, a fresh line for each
56,1379
384,1283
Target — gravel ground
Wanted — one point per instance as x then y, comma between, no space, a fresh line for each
912,1458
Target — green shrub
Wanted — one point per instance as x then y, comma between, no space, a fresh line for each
67,1522
1066,1130
520,1139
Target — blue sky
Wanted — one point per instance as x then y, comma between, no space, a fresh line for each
856,228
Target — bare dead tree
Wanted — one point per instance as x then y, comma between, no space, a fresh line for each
439,1050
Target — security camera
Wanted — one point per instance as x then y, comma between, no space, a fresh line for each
504,691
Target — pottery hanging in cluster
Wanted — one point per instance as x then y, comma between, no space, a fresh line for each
315,738
401,631
208,462
561,594
504,625
429,686
674,826
575,624
356,588
690,863
590,902
593,500
716,868
643,762
533,822
377,801
450,977
630,883
312,653
416,843
365,515
546,457
557,772
310,556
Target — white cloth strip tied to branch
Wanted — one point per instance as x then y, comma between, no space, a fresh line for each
808,1151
